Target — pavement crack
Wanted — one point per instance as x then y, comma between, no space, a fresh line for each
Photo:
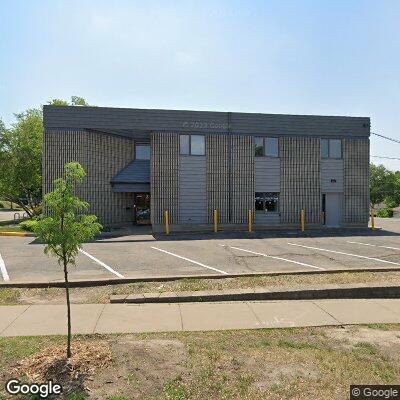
254,313
180,315
326,312
98,318
23,312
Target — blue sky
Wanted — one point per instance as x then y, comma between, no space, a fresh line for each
296,57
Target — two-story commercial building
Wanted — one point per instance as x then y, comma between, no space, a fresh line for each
140,163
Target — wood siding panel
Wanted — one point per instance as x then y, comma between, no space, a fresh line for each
164,177
356,181
217,169
300,179
242,178
102,157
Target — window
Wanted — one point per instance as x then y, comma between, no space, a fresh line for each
197,145
142,152
271,147
185,144
192,144
331,148
266,147
258,146
267,202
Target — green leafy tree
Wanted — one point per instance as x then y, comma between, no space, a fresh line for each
75,101
21,160
382,184
66,227
21,157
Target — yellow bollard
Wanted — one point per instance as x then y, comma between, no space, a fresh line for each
215,221
302,220
372,220
250,221
166,222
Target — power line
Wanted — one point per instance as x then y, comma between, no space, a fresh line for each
388,158
385,137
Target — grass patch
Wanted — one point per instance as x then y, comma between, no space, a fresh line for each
299,363
11,228
368,348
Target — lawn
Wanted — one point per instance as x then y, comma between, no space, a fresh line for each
101,294
303,363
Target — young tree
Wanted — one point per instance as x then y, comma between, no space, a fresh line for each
66,227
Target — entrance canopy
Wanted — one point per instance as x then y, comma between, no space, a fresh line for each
134,178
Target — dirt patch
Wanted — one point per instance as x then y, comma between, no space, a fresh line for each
351,335
140,367
88,356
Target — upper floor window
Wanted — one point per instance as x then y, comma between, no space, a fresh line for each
331,148
268,146
142,152
192,145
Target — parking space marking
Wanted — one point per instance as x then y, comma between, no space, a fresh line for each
375,245
108,268
3,269
346,254
192,261
275,257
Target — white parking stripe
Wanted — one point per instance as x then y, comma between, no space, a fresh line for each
192,261
346,254
375,245
3,269
276,257
108,268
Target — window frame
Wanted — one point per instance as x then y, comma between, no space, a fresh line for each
190,153
264,146
329,156
264,196
143,145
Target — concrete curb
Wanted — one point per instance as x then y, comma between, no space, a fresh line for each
121,281
19,234
358,291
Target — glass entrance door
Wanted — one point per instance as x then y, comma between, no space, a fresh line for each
142,208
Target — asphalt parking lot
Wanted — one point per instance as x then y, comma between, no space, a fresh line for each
144,256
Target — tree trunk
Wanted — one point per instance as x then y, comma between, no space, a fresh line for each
68,309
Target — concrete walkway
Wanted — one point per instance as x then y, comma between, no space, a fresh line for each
129,318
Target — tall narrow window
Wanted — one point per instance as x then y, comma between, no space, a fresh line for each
142,152
271,147
197,145
258,146
335,148
324,148
185,144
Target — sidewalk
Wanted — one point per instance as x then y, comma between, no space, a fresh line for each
130,318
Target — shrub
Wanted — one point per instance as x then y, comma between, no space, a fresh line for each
2,205
384,213
28,225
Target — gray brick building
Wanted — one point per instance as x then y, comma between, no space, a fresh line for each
140,163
